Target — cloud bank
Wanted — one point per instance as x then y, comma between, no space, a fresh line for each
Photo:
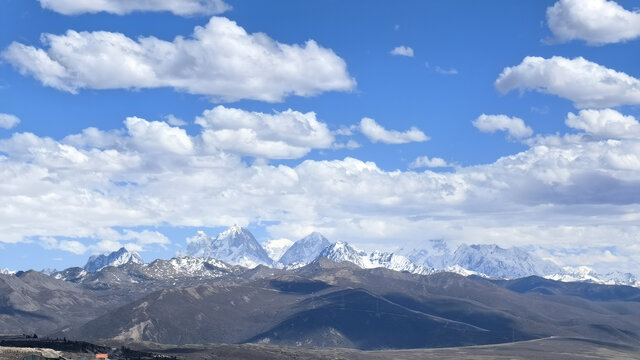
562,191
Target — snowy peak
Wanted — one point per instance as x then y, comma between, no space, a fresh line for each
6,271
342,251
116,258
235,246
433,254
304,250
186,267
498,262
587,274
235,231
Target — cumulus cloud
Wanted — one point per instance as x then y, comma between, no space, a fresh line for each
123,7
562,191
585,83
606,123
514,126
220,60
376,133
158,136
597,22
282,135
402,51
7,121
426,162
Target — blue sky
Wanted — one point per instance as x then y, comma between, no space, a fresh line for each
149,184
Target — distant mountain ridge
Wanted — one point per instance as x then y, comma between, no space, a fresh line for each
116,258
304,250
208,257
236,246
6,271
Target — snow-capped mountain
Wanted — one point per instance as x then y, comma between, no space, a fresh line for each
208,257
497,262
188,266
74,274
235,246
6,271
304,250
587,274
49,271
276,248
433,254
342,251
116,258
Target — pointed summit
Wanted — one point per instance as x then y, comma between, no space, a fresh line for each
342,251
116,258
236,246
304,250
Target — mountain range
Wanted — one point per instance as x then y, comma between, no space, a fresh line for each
331,304
333,296
206,256
238,246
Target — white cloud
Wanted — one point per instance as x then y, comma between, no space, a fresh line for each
402,51
158,136
350,144
425,161
282,135
71,246
606,123
585,83
442,71
562,191
7,121
597,22
123,7
376,133
220,60
174,121
514,126
346,130
111,240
